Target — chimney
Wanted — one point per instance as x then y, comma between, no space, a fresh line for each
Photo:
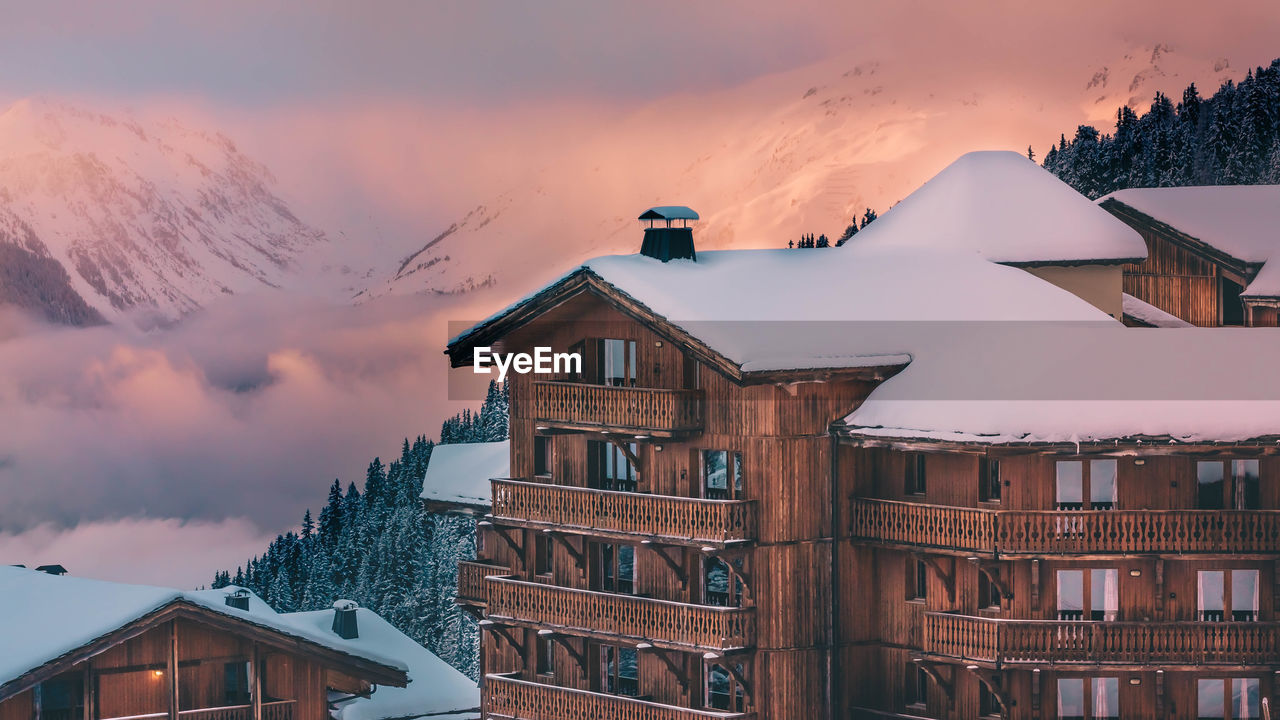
664,241
344,620
238,599
52,569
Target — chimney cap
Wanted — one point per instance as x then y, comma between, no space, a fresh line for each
52,569
345,605
669,212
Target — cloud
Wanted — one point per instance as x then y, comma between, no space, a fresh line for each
168,552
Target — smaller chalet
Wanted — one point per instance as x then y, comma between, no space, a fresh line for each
458,475
1210,251
79,649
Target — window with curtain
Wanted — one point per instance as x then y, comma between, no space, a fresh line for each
1086,485
1234,698
1088,699
1227,595
722,475
989,483
1231,484
1092,594
619,362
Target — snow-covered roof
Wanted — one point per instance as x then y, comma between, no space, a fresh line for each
669,212
435,688
1150,314
1006,208
1242,221
791,309
43,617
1081,384
460,473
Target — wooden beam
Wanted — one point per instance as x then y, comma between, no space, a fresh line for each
89,696
579,557
255,681
948,578
994,680
623,443
505,535
681,674
505,633
678,567
991,568
171,670
934,671
579,656
1035,584
1160,587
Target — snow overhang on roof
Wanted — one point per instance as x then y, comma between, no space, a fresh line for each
459,474
669,212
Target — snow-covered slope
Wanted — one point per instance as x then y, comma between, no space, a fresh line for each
154,217
786,154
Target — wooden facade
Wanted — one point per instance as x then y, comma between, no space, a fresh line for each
185,662
1190,279
749,558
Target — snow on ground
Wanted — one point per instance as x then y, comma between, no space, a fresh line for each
1081,383
1006,208
1150,314
435,689
1242,221
44,616
460,473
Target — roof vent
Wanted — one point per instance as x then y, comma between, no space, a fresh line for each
666,242
238,599
52,569
344,619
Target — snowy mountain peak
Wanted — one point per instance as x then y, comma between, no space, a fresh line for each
149,216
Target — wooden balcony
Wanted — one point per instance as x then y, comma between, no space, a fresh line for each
624,515
1080,642
1067,532
471,577
638,411
610,616
508,698
275,710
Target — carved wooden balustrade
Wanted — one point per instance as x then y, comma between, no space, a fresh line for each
274,710
1050,532
507,697
660,622
650,411
471,577
689,521
1005,641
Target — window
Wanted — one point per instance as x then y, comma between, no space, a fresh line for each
915,685
988,705
988,593
724,690
1216,489
917,579
542,455
1235,698
619,362
989,480
235,683
691,377
62,698
1218,590
718,467
617,568
1088,699
546,659
620,669
914,483
1100,587
541,554
609,468
720,587
1078,481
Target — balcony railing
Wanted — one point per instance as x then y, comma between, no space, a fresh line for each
637,619
471,577
647,411
1003,641
690,521
275,710
507,697
1052,532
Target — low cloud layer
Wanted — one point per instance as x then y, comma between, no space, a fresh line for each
235,420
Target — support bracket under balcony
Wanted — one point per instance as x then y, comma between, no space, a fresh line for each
948,578
994,680
731,557
676,564
505,633
681,673
579,656
623,443
579,557
472,610
991,568
506,536
934,671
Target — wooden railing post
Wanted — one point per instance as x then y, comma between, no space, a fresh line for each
255,681
172,670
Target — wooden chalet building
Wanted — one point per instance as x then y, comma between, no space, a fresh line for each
1209,252
78,649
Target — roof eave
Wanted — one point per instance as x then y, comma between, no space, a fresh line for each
1128,445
